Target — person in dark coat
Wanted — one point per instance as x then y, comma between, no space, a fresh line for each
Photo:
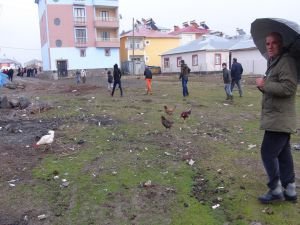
236,75
148,78
10,74
117,79
278,119
184,72
227,81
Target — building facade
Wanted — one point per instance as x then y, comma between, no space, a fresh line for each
143,46
79,34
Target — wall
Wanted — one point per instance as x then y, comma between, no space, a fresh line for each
252,61
206,61
156,47
95,58
45,57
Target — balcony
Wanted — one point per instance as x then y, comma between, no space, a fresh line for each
79,2
80,21
112,3
81,42
109,22
108,42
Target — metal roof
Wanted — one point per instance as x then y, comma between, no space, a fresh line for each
243,44
204,43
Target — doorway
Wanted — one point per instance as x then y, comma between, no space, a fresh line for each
62,68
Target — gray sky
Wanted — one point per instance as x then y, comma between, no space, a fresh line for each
20,37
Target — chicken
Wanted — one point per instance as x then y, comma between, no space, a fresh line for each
46,139
186,114
166,123
169,111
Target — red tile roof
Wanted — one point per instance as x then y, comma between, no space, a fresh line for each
190,29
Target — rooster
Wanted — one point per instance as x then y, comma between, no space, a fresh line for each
186,114
46,139
169,111
166,123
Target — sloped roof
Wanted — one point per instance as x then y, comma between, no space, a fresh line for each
144,32
244,44
190,29
10,61
205,43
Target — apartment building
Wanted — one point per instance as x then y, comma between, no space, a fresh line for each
77,34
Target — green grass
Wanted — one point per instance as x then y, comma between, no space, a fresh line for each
107,173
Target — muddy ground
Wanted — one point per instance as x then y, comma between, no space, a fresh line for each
19,130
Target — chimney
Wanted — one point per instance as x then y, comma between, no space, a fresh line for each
185,24
176,28
194,23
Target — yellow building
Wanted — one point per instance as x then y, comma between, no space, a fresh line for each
144,45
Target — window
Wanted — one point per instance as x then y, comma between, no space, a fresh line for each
166,62
217,59
178,61
107,52
82,53
58,43
79,15
195,60
104,15
57,21
105,36
80,36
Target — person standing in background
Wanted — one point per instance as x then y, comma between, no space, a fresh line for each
148,78
117,79
236,75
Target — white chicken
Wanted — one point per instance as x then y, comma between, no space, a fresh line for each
46,139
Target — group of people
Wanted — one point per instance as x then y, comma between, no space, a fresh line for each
80,76
278,115
232,78
114,79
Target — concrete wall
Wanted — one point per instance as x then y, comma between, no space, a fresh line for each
252,61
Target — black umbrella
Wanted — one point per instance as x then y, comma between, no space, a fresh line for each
290,32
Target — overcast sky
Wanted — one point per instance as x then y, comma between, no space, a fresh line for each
20,37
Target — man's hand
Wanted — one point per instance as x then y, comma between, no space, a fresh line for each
260,83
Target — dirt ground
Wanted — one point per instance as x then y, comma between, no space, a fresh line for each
19,131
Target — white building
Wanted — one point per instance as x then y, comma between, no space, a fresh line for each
249,56
205,54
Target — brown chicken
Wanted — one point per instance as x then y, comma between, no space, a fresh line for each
186,114
166,123
168,110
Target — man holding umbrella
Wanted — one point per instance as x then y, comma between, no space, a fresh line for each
278,118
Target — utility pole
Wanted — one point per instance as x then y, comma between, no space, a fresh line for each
133,65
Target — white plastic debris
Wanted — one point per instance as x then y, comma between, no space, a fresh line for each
56,177
27,146
148,183
251,146
191,162
215,206
114,172
42,217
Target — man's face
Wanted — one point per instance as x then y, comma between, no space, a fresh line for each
273,45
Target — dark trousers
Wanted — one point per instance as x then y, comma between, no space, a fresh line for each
277,158
114,87
185,90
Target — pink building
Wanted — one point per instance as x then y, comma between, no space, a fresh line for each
79,34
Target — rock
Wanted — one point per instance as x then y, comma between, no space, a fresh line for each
4,102
14,103
24,102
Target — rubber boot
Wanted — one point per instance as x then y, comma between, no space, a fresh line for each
271,196
290,193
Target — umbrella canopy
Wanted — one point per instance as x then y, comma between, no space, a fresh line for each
290,32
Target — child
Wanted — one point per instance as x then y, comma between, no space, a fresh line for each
109,80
